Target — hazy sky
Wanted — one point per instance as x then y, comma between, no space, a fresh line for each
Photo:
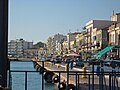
36,20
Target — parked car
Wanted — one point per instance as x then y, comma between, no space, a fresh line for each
48,58
118,64
78,63
93,61
68,60
107,62
57,60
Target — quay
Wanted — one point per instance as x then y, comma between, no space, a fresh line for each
90,82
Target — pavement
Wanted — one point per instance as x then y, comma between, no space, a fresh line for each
83,82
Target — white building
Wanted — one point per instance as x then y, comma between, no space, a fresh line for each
93,25
16,47
57,40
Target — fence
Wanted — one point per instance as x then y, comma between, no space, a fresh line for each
75,80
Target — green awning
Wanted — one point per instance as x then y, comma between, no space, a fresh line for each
102,52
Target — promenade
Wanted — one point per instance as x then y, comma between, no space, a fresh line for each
84,83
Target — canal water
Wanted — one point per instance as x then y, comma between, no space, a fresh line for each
34,79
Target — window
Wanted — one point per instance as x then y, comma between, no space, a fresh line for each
118,39
112,38
94,38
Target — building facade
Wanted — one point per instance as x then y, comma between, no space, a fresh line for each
54,44
35,53
16,47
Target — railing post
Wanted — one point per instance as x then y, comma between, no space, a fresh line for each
109,81
59,81
76,81
25,80
67,73
88,82
9,74
101,76
43,76
113,75
92,75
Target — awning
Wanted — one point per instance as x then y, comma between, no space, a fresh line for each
102,52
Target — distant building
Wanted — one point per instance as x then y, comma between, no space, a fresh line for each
35,53
16,47
49,45
54,43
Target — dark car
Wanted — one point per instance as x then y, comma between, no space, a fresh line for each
48,58
68,60
78,63
107,62
57,60
93,61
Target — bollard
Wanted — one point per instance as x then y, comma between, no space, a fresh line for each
46,63
58,65
83,72
66,67
52,64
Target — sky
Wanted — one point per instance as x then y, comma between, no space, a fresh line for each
36,20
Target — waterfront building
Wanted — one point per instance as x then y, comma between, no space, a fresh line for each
31,53
49,45
55,42
35,53
80,41
97,32
65,48
114,39
16,47
71,40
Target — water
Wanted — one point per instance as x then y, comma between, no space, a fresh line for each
34,79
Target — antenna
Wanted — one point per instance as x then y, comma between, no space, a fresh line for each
69,31
113,12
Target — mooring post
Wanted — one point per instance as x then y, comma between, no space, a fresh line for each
3,41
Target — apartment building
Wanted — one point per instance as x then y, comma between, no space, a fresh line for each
98,34
114,39
49,45
97,31
54,44
71,40
16,47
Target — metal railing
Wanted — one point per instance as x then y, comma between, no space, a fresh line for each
93,80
